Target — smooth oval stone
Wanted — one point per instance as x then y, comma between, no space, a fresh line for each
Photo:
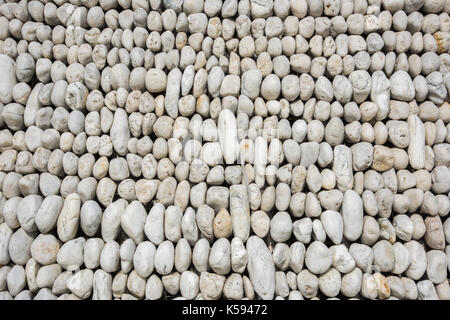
261,268
318,258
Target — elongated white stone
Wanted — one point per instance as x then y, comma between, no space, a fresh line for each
416,148
261,268
227,128
333,225
240,211
342,167
352,214
7,79
133,221
120,132
380,93
68,219
154,225
173,92
110,225
32,106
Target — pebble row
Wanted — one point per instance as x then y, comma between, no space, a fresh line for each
209,149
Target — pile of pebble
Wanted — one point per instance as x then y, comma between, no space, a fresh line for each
207,149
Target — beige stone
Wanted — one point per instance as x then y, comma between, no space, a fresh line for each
383,159
222,225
